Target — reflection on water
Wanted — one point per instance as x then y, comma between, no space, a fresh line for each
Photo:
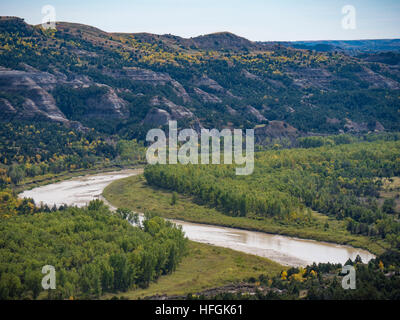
285,250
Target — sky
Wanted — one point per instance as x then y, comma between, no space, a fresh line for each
257,20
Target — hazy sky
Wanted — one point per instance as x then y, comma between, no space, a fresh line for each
266,20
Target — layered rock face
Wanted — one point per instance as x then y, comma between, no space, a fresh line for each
32,86
35,91
157,117
275,130
177,111
80,74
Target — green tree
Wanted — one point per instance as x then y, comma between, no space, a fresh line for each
174,198
389,206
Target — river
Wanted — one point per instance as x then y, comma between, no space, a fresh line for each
282,249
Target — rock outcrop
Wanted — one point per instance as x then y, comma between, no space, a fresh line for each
177,111
157,117
35,88
249,75
275,130
377,81
255,113
209,83
312,78
32,86
6,107
108,105
151,77
206,97
352,126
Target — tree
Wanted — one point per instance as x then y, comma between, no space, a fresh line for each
388,206
174,198
10,286
93,251
16,174
33,282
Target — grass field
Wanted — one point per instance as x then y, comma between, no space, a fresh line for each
134,193
206,267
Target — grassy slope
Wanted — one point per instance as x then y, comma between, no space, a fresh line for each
206,267
134,193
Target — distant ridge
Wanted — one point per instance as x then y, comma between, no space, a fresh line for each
349,46
225,40
214,41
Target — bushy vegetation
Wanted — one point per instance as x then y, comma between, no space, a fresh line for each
377,280
93,251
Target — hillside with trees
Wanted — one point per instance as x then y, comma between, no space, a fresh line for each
125,84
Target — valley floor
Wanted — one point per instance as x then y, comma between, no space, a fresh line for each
134,193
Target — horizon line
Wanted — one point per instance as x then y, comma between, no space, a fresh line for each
206,34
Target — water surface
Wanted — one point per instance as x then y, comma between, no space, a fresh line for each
285,250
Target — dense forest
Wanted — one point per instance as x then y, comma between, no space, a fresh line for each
29,149
93,250
339,180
